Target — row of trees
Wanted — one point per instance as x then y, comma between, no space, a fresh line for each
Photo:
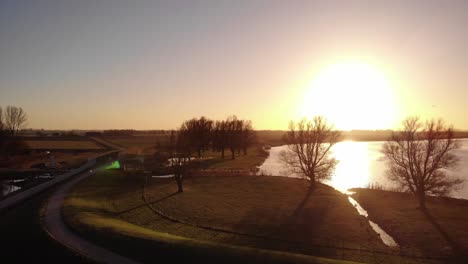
233,134
420,156
198,135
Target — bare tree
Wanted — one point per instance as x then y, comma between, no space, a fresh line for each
15,119
234,133
420,156
248,135
309,143
219,136
179,153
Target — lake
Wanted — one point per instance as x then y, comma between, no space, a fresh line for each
361,164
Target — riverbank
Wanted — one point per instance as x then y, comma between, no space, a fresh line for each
222,216
430,235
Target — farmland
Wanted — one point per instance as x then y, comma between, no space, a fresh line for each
63,145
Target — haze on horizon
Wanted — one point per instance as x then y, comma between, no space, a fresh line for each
153,64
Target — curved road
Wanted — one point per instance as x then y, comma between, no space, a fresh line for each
57,229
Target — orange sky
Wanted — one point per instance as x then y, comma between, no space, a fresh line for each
113,64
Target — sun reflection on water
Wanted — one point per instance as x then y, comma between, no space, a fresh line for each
352,169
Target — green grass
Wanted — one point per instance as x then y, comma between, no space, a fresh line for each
256,211
398,214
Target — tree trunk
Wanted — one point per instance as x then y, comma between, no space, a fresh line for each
222,153
233,153
179,184
421,196
312,183
199,152
245,150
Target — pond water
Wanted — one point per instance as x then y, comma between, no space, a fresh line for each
361,164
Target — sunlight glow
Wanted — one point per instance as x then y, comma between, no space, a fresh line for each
352,95
353,166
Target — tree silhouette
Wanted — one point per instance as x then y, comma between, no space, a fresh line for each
420,156
198,133
14,119
248,136
220,136
234,133
179,153
309,144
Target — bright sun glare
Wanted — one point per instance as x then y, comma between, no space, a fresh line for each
352,95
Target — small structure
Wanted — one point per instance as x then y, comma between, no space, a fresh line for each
133,164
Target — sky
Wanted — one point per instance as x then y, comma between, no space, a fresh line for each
152,64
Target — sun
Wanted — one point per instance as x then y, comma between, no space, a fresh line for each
352,95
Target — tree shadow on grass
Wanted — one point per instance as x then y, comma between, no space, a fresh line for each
299,208
304,222
460,254
146,204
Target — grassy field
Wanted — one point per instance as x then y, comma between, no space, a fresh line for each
397,213
137,145
254,212
135,141
108,209
270,207
63,144
64,160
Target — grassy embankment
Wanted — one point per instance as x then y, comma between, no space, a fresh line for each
398,214
257,215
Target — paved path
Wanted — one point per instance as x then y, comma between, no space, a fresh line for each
57,229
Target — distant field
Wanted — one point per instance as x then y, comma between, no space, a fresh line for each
270,137
64,159
63,145
136,141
